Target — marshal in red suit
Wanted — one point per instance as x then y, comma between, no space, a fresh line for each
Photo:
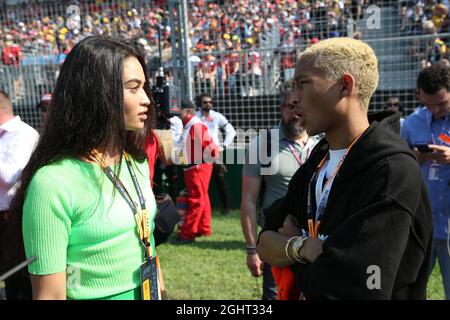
200,151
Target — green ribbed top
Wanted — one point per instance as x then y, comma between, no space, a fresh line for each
74,220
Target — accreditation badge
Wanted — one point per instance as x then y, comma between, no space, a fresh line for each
433,172
149,280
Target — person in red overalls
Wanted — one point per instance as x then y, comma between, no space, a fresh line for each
200,151
152,150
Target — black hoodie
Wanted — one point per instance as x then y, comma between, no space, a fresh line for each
378,214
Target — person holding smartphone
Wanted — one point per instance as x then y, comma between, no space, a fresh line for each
427,132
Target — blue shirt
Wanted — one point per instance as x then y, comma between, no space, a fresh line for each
421,128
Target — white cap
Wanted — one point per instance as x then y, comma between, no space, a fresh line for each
195,59
46,97
142,42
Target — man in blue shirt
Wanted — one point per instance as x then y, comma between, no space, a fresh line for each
427,132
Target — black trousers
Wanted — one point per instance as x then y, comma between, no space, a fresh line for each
171,173
269,284
17,286
218,174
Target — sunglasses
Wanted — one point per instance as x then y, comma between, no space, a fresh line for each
207,102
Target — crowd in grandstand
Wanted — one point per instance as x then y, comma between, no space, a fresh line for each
221,25
427,17
242,25
215,26
416,13
55,34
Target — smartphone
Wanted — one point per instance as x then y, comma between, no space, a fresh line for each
423,148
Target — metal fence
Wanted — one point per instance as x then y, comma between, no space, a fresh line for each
403,35
31,82
240,51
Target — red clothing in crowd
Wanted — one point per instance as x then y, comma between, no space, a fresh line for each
208,65
11,55
151,149
198,136
230,63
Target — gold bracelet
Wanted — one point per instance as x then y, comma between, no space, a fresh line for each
297,256
287,245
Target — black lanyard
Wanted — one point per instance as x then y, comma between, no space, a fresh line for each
141,216
136,183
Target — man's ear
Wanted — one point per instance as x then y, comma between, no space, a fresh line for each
347,85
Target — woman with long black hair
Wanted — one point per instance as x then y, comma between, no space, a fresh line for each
85,203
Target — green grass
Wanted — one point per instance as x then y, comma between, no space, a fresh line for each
211,268
214,268
435,289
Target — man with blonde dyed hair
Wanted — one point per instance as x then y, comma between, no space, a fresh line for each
357,215
337,56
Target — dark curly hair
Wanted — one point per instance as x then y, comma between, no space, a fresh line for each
434,78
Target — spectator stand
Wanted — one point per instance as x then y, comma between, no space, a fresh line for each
241,50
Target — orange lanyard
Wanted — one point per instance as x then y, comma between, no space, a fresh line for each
314,223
